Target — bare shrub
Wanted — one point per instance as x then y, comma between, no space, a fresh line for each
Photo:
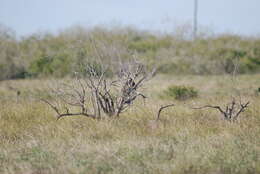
231,111
97,96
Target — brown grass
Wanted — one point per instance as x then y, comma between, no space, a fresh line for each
184,141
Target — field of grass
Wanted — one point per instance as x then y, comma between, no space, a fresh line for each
183,141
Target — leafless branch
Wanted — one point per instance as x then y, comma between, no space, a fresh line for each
67,113
161,109
106,97
232,110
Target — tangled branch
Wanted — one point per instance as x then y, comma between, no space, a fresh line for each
96,96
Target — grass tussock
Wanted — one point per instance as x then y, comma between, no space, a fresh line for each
180,92
183,141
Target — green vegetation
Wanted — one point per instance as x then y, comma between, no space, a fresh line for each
57,66
60,55
181,92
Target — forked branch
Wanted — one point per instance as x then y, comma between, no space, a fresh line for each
231,111
67,113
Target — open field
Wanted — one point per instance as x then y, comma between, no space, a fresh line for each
183,141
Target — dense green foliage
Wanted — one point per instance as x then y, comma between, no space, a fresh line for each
46,54
181,92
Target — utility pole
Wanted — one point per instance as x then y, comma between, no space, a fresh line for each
195,20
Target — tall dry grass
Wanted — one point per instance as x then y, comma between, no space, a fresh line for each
184,141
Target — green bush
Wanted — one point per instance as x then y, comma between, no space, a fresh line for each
250,65
40,66
181,92
149,44
58,66
59,55
179,67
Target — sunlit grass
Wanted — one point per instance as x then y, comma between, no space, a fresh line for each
183,141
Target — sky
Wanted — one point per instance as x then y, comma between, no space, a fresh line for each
29,16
